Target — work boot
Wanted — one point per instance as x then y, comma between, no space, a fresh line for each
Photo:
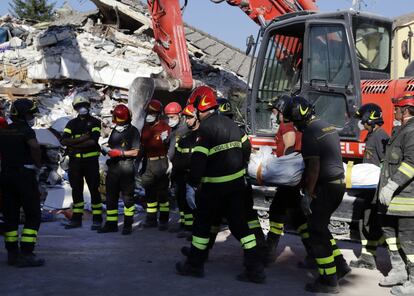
407,289
109,226
162,226
96,225
398,273
127,229
342,268
366,261
270,255
29,260
254,269
185,269
73,223
325,284
12,257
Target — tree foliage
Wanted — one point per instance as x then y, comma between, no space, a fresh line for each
39,10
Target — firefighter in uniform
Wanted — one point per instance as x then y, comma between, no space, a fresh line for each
154,146
370,116
181,170
123,145
288,140
21,160
396,195
218,169
81,136
178,129
225,109
323,190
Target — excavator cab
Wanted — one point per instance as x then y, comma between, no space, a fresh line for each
322,57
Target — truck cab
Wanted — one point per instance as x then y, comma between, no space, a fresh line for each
323,57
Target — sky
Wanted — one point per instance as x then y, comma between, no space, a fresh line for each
231,25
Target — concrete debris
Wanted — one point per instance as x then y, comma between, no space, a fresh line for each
96,54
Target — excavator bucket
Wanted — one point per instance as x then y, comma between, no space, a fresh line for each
139,95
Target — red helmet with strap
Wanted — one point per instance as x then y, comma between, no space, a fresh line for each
203,98
154,106
405,99
121,114
172,108
189,110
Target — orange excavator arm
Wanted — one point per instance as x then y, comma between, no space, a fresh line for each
171,47
170,42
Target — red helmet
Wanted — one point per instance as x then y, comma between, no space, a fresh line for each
155,106
200,91
121,114
189,110
405,99
203,98
172,108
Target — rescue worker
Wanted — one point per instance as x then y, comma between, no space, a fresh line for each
80,137
396,191
370,119
286,200
323,190
178,129
21,162
225,109
181,170
123,145
154,146
218,172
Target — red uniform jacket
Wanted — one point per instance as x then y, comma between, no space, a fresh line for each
154,139
283,129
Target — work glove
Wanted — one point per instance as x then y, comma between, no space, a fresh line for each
190,196
170,166
164,136
305,203
105,150
115,153
386,193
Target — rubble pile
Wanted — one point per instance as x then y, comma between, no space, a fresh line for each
87,53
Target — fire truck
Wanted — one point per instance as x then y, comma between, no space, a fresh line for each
338,60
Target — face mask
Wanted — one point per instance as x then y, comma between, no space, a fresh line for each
360,125
31,122
150,118
396,123
121,128
83,111
173,122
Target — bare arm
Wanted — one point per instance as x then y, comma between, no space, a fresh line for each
289,140
35,152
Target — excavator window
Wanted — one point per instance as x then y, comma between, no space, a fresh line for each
372,43
281,72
